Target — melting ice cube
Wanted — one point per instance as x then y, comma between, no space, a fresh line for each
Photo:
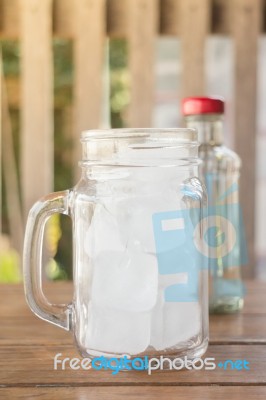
103,233
174,323
125,281
117,331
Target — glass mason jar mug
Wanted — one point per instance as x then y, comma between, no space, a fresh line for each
140,287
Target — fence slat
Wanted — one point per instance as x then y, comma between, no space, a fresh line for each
88,57
142,30
245,27
36,100
63,22
169,17
194,19
220,23
9,18
117,17
220,15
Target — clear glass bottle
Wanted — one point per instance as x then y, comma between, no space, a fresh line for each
220,170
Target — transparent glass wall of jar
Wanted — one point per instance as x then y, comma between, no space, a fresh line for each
220,171
139,286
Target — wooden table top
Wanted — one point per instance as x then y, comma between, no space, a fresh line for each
28,346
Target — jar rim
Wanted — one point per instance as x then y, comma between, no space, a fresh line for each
178,135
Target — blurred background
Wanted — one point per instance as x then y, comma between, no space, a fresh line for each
70,65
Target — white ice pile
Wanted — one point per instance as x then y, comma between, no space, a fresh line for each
127,311
124,283
174,323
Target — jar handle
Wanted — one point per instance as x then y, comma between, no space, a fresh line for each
58,314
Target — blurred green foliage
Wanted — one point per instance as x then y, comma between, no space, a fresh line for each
10,53
61,266
9,266
119,82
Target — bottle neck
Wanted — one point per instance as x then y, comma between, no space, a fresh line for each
209,127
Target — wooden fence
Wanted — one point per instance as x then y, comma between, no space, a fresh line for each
88,22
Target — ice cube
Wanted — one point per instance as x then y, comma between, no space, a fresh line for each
135,219
173,323
125,280
103,233
125,215
137,225
171,279
117,331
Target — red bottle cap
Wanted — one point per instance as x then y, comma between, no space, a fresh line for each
202,105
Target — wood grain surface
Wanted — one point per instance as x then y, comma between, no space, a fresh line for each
145,393
28,346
